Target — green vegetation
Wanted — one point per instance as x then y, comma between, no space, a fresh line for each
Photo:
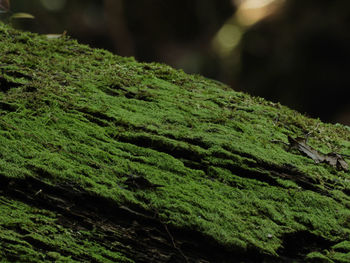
24,228
86,118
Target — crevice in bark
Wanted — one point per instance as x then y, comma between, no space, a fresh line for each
8,106
301,243
159,145
118,90
125,225
6,85
251,167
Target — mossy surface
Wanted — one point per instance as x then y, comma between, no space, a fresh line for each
73,115
32,235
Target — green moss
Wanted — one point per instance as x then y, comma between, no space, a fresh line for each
317,257
342,246
29,234
74,114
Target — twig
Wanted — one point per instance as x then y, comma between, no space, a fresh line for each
344,155
279,141
311,132
173,241
156,215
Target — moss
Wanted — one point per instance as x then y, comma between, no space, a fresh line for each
317,257
72,114
35,235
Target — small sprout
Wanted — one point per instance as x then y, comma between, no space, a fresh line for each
22,15
38,192
56,36
5,7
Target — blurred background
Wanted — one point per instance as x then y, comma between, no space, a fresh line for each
295,52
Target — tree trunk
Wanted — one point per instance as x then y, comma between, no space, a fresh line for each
104,159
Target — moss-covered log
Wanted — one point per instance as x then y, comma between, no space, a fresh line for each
86,135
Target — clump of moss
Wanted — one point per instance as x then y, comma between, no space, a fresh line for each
75,115
29,234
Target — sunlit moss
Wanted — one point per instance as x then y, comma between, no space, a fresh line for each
84,116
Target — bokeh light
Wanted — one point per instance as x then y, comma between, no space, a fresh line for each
227,39
54,5
251,11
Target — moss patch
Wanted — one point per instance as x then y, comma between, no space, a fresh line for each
35,235
83,117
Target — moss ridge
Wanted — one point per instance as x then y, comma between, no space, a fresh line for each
70,114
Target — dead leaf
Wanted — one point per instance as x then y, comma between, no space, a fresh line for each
4,6
334,159
300,144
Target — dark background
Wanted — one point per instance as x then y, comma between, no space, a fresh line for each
296,52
